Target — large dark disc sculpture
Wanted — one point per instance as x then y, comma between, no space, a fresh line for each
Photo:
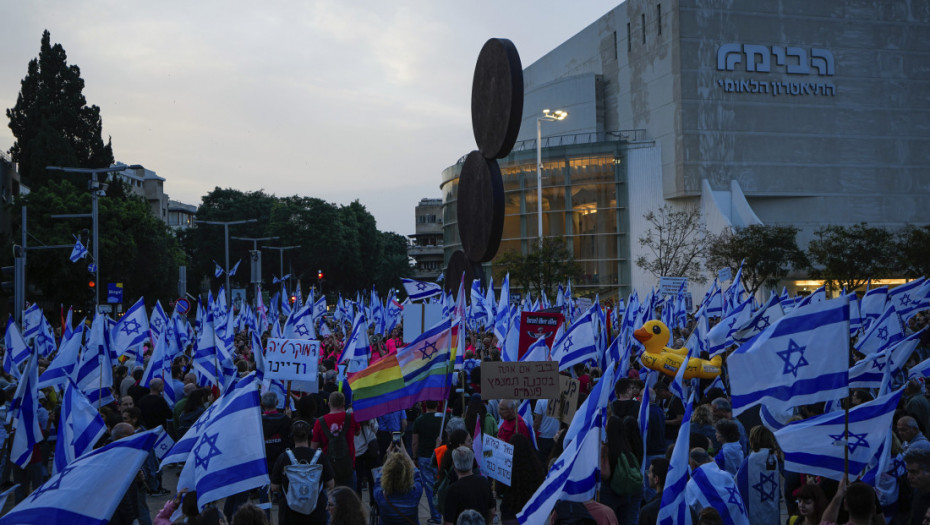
480,207
458,264
496,113
497,98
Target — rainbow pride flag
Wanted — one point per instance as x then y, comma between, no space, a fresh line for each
419,371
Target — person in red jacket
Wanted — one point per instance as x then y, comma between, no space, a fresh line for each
511,422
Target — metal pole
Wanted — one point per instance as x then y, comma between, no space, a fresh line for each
20,302
96,242
539,209
226,239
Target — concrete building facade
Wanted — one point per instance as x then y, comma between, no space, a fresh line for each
426,247
759,112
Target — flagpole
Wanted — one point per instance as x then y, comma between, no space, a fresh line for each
846,425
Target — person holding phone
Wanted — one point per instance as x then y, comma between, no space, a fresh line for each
399,488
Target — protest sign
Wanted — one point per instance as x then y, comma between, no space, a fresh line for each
498,458
419,317
671,285
292,359
515,380
534,325
565,406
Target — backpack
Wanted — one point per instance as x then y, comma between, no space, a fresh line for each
303,483
626,477
338,448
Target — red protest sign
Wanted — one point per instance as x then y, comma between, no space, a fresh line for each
534,325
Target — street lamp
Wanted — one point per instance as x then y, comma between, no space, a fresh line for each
255,241
548,117
226,225
95,192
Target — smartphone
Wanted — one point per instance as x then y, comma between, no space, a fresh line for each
397,436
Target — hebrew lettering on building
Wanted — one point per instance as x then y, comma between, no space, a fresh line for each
765,59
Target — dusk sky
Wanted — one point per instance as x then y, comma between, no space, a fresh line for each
332,99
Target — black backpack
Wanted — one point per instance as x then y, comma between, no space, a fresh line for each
338,449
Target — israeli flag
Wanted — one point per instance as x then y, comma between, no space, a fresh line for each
356,350
420,290
768,314
526,412
712,487
78,252
95,367
276,280
300,325
218,270
89,489
577,345
234,268
593,406
870,372
908,297
222,463
25,414
873,304
319,308
17,351
887,331
538,351
817,445
79,428
573,476
721,335
673,507
44,342
158,321
132,330
799,360
206,358
64,363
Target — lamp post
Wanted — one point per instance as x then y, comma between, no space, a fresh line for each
548,117
281,255
95,193
226,225
255,241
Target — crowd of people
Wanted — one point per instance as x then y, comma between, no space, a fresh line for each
381,470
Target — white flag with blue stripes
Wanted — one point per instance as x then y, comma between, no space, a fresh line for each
89,489
577,345
25,415
870,372
79,428
799,360
419,290
573,476
224,462
888,330
816,446
673,506
131,330
712,487
64,363
78,252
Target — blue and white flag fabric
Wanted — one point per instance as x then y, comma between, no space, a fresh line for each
17,351
762,319
206,357
887,331
95,368
78,252
801,359
526,412
908,298
855,314
25,408
420,290
158,322
218,270
89,489
234,268
870,372
44,341
673,507
132,330
222,463
817,446
356,350
573,476
759,482
577,345
319,308
593,406
712,487
489,304
538,351
721,335
64,363
873,304
80,427
300,323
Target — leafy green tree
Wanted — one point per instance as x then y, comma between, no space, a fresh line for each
914,251
52,122
677,240
541,270
394,262
769,252
848,256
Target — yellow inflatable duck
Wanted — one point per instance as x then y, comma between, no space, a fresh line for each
654,335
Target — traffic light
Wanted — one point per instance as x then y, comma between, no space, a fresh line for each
293,299
319,275
91,283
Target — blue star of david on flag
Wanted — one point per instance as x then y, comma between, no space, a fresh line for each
157,324
568,343
51,486
301,330
855,440
131,327
762,323
905,299
883,333
766,486
879,364
427,353
735,499
422,286
791,367
202,458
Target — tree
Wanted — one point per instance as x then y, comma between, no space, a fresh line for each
769,252
677,240
52,122
913,251
848,256
541,270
